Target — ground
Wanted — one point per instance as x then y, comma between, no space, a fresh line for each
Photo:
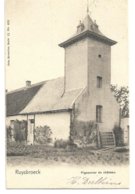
46,155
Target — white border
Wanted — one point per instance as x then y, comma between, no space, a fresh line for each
132,109
2,99
132,91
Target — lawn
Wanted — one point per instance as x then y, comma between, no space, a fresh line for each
43,155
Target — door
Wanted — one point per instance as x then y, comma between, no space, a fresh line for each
30,137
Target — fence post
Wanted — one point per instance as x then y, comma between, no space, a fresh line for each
114,138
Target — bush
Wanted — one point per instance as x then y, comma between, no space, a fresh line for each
118,133
9,133
84,132
20,135
43,135
20,131
61,143
123,149
65,144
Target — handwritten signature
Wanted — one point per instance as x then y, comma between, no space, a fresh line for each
79,180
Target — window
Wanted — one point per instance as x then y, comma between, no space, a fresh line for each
99,110
99,82
11,121
32,120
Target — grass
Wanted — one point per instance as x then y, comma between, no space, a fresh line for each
121,149
42,154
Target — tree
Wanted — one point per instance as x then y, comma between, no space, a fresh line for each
122,96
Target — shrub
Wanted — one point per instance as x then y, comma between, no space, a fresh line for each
43,135
20,135
122,150
60,143
118,133
84,132
20,131
9,133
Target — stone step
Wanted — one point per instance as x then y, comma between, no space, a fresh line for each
107,139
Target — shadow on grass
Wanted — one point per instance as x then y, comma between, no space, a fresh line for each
122,149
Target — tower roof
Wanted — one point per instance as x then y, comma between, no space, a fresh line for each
90,25
88,28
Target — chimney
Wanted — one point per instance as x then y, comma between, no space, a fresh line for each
28,83
80,27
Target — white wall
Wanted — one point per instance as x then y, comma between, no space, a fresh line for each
58,122
104,97
125,127
76,62
99,66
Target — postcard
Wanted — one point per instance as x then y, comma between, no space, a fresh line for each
67,94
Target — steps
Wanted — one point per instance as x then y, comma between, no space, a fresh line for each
107,139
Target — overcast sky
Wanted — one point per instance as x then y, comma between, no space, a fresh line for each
38,26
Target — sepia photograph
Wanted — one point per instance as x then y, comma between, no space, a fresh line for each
67,94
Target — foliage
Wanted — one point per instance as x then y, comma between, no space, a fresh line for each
44,155
20,130
60,143
20,135
8,133
84,132
118,133
43,134
122,96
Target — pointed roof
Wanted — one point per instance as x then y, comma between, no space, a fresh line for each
87,28
88,22
90,25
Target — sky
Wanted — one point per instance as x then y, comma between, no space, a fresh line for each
38,26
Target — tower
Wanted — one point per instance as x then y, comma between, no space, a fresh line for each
87,57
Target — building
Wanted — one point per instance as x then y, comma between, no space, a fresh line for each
83,95
125,127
